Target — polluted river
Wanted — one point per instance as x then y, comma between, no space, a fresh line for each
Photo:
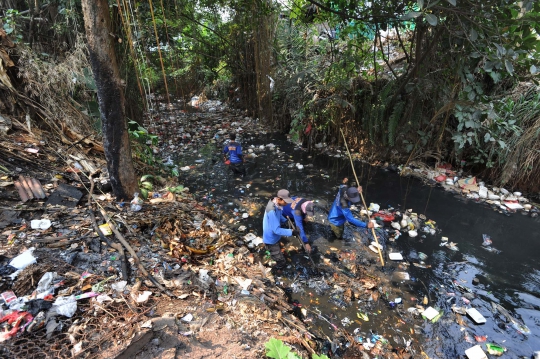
468,275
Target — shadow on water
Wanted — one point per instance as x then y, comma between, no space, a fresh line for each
510,278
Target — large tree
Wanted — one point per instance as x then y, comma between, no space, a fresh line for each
110,98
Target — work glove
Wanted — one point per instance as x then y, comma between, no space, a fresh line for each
295,232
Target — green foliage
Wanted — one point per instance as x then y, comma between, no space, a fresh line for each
145,185
276,349
177,189
393,122
142,143
10,23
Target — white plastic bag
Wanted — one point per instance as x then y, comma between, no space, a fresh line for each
46,282
24,259
40,224
66,306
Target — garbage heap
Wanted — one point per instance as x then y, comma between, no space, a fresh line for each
69,290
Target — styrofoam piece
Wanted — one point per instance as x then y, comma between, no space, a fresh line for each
430,313
513,205
395,256
475,352
476,316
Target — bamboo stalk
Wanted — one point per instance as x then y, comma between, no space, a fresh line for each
362,196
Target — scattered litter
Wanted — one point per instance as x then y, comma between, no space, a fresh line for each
430,313
495,349
476,316
105,229
24,259
144,296
187,318
487,240
40,224
475,352
395,256
119,286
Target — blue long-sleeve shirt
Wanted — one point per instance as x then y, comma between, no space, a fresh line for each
298,216
272,231
340,212
234,149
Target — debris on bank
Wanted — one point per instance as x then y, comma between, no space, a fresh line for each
500,199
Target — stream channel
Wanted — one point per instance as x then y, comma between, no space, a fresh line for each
510,278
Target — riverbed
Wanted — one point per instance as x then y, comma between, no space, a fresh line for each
507,274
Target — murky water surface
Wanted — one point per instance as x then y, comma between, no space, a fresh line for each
510,278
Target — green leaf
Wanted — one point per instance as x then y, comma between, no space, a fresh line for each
8,29
411,15
487,137
147,178
488,66
509,67
495,76
453,2
322,356
431,19
501,51
420,3
276,349
473,35
148,185
144,193
469,124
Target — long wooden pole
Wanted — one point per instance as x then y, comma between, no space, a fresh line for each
362,196
301,242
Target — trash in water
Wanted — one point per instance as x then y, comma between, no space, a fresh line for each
476,316
401,276
494,349
430,313
395,256
362,316
475,352
487,240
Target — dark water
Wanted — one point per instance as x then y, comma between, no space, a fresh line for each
510,278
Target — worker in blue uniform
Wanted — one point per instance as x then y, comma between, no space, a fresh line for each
236,158
272,231
300,209
341,213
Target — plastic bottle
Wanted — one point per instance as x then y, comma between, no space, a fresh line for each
136,203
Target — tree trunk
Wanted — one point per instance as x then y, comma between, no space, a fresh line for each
110,98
